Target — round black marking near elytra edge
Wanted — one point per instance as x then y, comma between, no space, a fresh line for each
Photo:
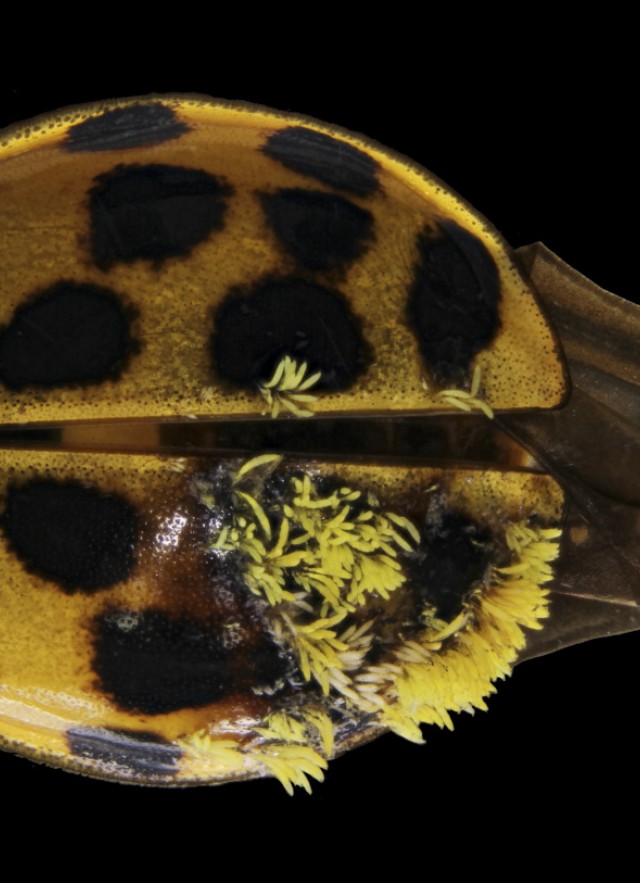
137,125
453,301
255,328
452,557
70,334
153,663
325,158
134,751
75,536
321,231
153,212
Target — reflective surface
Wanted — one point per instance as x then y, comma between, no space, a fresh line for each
476,722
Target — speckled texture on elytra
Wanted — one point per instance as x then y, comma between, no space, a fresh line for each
202,620
174,289
62,667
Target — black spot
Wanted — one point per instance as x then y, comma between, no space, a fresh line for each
324,158
256,328
453,302
70,334
137,125
452,556
78,537
153,212
152,663
132,750
322,231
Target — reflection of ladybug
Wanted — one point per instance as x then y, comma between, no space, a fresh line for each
235,618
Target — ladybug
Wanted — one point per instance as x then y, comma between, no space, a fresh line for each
231,280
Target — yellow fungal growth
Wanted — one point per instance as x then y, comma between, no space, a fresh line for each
286,752
255,463
452,668
326,545
292,764
325,655
264,572
348,597
288,388
317,647
281,746
225,753
320,722
465,400
351,549
267,608
311,723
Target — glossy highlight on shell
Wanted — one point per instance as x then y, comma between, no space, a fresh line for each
309,601
214,618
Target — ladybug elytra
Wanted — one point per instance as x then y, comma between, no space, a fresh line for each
269,513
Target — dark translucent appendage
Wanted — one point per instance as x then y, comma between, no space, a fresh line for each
592,446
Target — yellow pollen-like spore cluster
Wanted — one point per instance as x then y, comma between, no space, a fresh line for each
326,561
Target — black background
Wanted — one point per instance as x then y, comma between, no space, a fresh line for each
546,154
